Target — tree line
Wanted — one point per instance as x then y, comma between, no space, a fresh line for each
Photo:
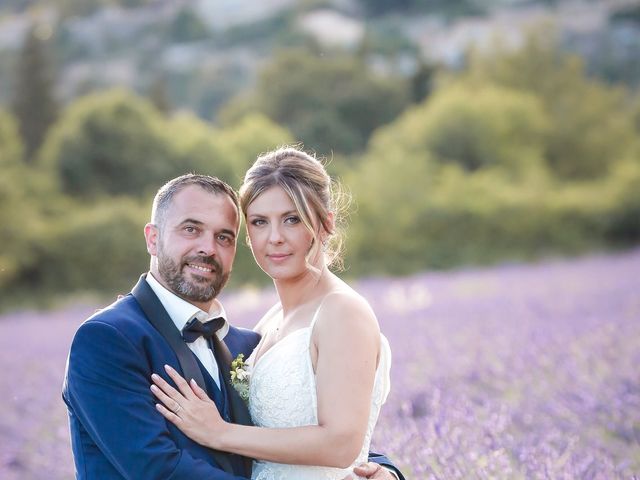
517,156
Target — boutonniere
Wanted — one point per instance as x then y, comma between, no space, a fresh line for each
240,377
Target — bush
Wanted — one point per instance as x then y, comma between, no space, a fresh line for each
591,123
108,143
96,248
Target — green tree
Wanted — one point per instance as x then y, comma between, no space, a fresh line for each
26,197
591,123
111,142
34,104
462,179
97,247
328,103
422,81
195,146
187,26
12,199
159,96
483,126
247,138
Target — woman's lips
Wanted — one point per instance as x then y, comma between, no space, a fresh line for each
278,257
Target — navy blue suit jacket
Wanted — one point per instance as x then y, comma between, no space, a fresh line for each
116,432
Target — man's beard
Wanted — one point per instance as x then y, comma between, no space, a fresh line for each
199,289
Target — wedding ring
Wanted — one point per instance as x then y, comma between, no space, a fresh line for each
178,408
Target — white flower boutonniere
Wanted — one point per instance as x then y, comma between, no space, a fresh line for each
240,378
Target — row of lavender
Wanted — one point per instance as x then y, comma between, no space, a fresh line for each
525,371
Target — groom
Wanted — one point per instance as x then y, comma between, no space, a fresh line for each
171,316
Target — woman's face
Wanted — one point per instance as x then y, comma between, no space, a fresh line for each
280,241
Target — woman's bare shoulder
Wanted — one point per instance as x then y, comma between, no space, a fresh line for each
343,307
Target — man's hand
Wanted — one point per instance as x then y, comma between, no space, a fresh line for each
374,470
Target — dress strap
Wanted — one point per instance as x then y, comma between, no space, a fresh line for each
315,316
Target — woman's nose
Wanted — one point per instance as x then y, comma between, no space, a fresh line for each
275,235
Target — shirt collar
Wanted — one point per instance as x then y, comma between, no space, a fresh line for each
180,311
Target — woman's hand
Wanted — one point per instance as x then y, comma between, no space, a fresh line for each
189,408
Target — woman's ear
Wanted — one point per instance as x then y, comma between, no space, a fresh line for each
329,226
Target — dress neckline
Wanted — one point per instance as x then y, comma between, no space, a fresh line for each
258,360
308,327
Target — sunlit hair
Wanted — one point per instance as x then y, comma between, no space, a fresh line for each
163,198
314,194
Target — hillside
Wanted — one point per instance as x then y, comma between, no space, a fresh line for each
201,54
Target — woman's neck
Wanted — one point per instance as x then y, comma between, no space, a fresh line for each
295,292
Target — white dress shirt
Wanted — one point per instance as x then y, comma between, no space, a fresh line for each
180,311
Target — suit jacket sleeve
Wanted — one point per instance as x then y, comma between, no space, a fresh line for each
108,389
385,462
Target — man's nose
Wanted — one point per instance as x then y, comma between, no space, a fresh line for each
207,245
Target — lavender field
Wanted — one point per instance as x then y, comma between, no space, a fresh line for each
517,371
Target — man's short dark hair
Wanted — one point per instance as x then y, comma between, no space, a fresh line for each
165,194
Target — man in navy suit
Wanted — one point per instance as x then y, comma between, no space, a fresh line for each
171,317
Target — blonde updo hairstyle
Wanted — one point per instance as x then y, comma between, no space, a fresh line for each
314,194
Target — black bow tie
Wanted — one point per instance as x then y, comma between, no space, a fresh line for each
195,329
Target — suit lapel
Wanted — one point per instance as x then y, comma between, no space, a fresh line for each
159,318
238,409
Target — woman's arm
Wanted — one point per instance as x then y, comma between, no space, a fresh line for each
347,339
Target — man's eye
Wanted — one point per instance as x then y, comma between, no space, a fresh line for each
225,239
190,229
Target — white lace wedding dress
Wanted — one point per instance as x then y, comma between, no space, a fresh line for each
282,393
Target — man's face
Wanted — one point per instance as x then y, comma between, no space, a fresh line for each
195,247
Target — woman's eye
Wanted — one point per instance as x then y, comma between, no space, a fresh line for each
257,222
292,220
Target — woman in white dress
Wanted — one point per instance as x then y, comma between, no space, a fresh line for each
321,371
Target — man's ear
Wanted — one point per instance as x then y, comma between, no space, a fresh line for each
151,236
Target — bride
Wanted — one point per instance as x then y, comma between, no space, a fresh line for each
321,371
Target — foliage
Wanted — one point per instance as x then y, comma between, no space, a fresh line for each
89,7
12,199
108,143
591,126
329,103
407,224
103,241
462,178
187,27
27,196
443,7
119,150
482,126
246,139
193,146
519,156
34,104
622,222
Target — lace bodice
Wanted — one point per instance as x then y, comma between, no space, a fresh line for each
282,393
